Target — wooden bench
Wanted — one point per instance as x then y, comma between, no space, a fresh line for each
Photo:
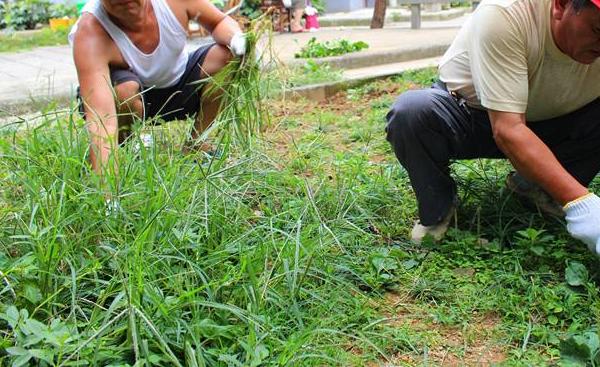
415,10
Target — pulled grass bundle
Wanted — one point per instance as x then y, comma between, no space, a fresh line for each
242,87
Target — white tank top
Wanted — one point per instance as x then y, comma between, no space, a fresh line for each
161,68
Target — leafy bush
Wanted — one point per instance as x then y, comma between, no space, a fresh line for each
2,21
314,49
25,14
251,9
59,10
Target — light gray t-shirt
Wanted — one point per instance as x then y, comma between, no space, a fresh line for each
504,58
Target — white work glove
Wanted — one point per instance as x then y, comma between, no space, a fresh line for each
583,220
237,45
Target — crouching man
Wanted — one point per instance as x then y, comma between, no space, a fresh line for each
520,81
132,60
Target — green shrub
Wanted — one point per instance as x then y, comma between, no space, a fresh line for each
251,9
25,14
60,10
314,49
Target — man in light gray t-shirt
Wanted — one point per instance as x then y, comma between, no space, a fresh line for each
521,81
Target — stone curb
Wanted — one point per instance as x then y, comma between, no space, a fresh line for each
366,59
320,92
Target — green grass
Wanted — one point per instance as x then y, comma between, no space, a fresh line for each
13,42
316,49
291,254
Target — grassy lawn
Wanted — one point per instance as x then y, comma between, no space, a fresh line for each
25,41
291,254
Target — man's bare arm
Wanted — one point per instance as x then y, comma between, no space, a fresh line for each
221,26
91,52
532,157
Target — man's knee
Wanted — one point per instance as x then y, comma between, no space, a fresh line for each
409,114
127,92
217,57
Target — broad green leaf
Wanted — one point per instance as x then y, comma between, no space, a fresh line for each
409,264
45,355
17,351
21,360
11,316
580,348
576,274
34,327
538,250
32,293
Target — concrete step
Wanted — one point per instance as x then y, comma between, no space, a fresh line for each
364,60
356,77
386,46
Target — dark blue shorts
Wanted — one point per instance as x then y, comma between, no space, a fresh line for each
173,103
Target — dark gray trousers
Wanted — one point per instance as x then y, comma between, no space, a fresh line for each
430,127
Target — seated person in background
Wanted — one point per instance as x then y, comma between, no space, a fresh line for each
296,8
131,60
297,12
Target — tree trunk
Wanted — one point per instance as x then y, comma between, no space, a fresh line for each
378,14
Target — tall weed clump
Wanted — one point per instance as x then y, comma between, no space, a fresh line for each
202,266
238,263
243,87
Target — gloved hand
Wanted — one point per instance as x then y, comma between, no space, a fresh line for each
583,220
237,45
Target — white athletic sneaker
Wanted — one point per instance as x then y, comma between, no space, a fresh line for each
436,231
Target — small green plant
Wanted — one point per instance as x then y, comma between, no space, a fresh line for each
312,72
36,341
46,37
315,49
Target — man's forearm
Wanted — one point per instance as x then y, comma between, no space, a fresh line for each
534,160
103,144
224,30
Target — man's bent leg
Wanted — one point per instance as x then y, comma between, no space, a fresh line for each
427,128
216,58
128,100
129,106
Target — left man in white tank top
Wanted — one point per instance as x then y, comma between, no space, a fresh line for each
135,50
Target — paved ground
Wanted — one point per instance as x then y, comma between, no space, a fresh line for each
48,72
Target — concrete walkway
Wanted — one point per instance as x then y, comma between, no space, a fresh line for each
48,72
362,17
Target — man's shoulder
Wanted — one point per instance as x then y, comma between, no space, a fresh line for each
90,27
90,37
525,9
